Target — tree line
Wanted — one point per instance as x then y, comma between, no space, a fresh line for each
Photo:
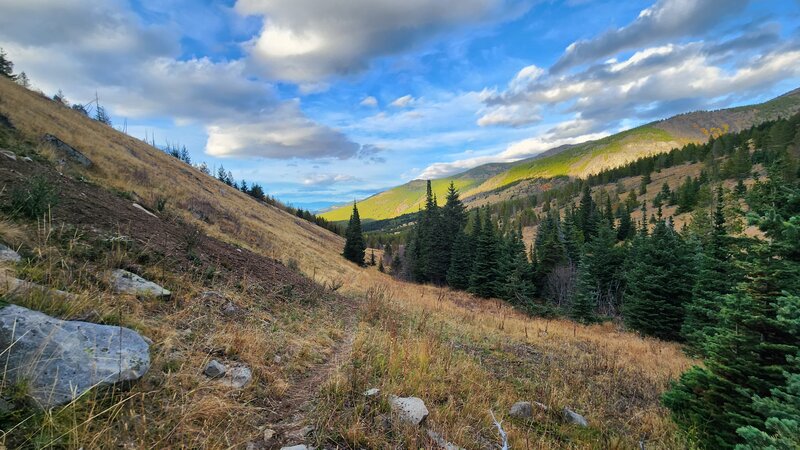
732,300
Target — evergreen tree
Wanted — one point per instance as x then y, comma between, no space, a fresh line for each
599,279
625,230
588,216
380,266
659,281
716,277
458,274
485,275
372,258
354,246
518,289
6,66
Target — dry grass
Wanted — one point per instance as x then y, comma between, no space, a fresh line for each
463,356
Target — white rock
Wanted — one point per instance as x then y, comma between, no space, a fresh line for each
142,208
295,447
521,410
571,416
237,377
125,282
541,406
372,392
409,409
8,255
9,154
215,369
60,360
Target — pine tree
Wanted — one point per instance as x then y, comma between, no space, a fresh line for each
518,287
485,275
587,215
6,66
716,277
659,281
458,274
354,246
626,229
599,279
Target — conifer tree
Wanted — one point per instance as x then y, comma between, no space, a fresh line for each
588,216
600,278
485,275
518,289
6,66
659,282
625,230
354,246
458,274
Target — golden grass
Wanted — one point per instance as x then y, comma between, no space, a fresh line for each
462,355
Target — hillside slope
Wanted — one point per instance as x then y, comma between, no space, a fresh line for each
582,159
313,348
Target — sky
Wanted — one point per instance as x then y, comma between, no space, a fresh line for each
326,101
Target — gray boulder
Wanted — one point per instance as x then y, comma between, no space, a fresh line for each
571,416
237,377
215,369
68,150
15,286
8,255
125,282
60,360
521,410
410,409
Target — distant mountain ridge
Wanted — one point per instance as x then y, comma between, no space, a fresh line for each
579,159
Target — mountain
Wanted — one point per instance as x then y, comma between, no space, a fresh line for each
578,160
266,298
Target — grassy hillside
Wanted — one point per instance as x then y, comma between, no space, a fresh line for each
582,159
254,285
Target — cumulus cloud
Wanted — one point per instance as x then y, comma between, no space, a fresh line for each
666,19
369,101
403,101
135,68
309,40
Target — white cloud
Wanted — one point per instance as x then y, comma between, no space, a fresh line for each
369,101
309,40
515,115
135,70
403,101
666,19
314,179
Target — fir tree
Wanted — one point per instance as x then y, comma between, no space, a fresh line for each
659,280
354,246
599,279
6,66
485,275
518,289
458,274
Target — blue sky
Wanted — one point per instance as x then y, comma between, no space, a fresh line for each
323,101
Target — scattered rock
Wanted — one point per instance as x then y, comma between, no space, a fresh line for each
237,377
61,359
125,282
215,369
8,255
27,159
71,152
296,447
541,406
16,286
410,409
230,309
441,442
277,359
269,433
521,410
144,210
571,416
9,154
372,392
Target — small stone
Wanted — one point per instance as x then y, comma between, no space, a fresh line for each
372,392
571,416
521,410
125,282
9,154
142,208
277,359
542,406
215,369
27,159
295,447
307,430
8,254
237,377
269,433
410,409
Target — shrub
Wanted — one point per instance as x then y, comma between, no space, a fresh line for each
33,198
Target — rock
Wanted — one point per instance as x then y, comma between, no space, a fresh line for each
571,416
6,407
9,154
541,406
125,282
14,286
306,431
142,208
441,442
237,377
8,255
27,159
277,359
372,392
215,369
65,148
521,410
60,360
269,433
230,309
410,409
295,447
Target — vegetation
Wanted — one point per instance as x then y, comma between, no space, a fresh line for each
354,240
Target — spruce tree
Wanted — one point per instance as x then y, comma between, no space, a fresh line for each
599,277
518,289
485,275
659,282
458,274
6,66
354,246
